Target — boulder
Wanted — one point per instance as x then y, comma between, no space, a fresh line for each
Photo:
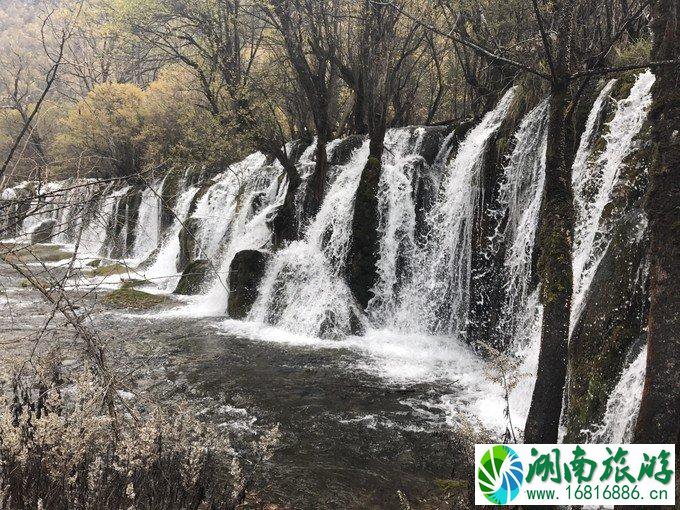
245,273
193,278
43,232
133,299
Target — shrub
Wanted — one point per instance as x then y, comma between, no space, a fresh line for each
59,451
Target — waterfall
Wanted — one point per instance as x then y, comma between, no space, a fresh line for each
42,208
595,181
98,227
148,227
517,216
520,196
163,272
217,208
623,405
415,324
242,202
303,289
397,218
588,138
435,298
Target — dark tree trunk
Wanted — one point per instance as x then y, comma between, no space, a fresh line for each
360,126
555,238
317,182
659,418
285,224
363,255
555,270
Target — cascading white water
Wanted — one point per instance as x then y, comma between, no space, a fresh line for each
163,272
217,208
303,289
44,208
246,200
423,284
435,297
580,168
97,230
594,183
623,405
148,227
397,218
520,197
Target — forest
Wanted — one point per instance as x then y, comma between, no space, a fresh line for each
308,253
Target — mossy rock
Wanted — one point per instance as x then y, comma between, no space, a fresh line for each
26,284
133,299
133,282
109,270
193,278
169,194
94,263
450,486
245,273
43,232
41,252
610,326
187,242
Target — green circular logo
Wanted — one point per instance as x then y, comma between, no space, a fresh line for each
500,474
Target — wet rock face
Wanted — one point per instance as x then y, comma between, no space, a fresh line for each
245,273
169,193
433,140
121,236
344,149
43,232
193,278
487,292
611,323
187,242
362,258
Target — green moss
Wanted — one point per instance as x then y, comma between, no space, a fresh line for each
171,187
132,283
41,252
134,299
450,486
26,284
94,263
108,270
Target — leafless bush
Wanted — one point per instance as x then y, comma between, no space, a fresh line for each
61,449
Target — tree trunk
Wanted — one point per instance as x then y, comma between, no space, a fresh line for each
555,270
659,418
555,237
285,224
363,255
360,126
317,182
